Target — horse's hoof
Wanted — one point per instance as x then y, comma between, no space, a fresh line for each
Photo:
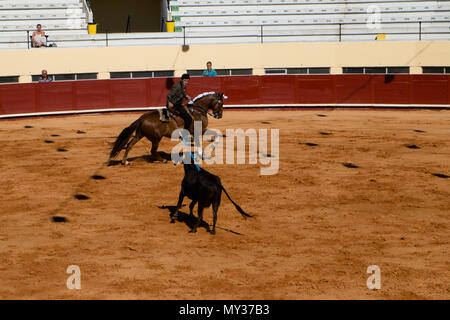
193,231
126,163
213,232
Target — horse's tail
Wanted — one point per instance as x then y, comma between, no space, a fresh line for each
124,137
244,214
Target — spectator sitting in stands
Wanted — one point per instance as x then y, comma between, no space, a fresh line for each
38,38
44,77
210,72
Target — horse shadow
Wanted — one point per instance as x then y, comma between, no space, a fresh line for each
186,218
147,158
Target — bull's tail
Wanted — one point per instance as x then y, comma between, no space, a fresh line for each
124,137
244,214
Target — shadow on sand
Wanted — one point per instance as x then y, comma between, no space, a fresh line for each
191,220
148,158
186,218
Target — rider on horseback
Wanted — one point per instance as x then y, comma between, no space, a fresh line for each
175,99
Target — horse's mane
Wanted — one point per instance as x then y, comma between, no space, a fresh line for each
204,94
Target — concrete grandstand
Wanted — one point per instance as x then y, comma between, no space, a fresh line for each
232,21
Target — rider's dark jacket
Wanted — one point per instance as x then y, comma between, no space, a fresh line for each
177,93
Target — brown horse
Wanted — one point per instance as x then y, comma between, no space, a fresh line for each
150,126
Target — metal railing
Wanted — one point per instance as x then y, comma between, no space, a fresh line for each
88,10
339,34
260,33
128,27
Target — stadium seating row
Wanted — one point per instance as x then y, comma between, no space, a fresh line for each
307,20
197,3
350,8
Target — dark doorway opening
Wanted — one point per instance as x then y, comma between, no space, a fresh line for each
118,16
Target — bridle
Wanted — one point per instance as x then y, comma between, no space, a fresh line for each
216,115
204,112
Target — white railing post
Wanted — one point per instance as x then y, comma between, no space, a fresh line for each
88,10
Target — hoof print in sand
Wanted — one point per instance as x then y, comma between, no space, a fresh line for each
59,219
309,144
349,165
97,177
81,197
412,146
440,175
49,141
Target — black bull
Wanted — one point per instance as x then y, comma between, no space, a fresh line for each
204,188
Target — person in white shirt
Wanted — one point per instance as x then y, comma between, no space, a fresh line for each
38,37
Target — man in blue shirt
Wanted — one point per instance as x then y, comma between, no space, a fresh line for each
210,72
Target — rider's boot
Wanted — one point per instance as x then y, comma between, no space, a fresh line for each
165,116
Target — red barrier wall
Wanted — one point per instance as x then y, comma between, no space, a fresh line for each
241,90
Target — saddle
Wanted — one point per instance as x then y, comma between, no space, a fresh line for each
165,115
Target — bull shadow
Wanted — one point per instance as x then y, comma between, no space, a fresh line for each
186,218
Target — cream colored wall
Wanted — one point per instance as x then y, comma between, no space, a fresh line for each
335,55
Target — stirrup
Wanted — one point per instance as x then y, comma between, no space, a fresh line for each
163,117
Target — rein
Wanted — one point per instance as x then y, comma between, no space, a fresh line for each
200,111
203,112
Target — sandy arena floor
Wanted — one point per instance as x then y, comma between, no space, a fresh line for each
318,224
